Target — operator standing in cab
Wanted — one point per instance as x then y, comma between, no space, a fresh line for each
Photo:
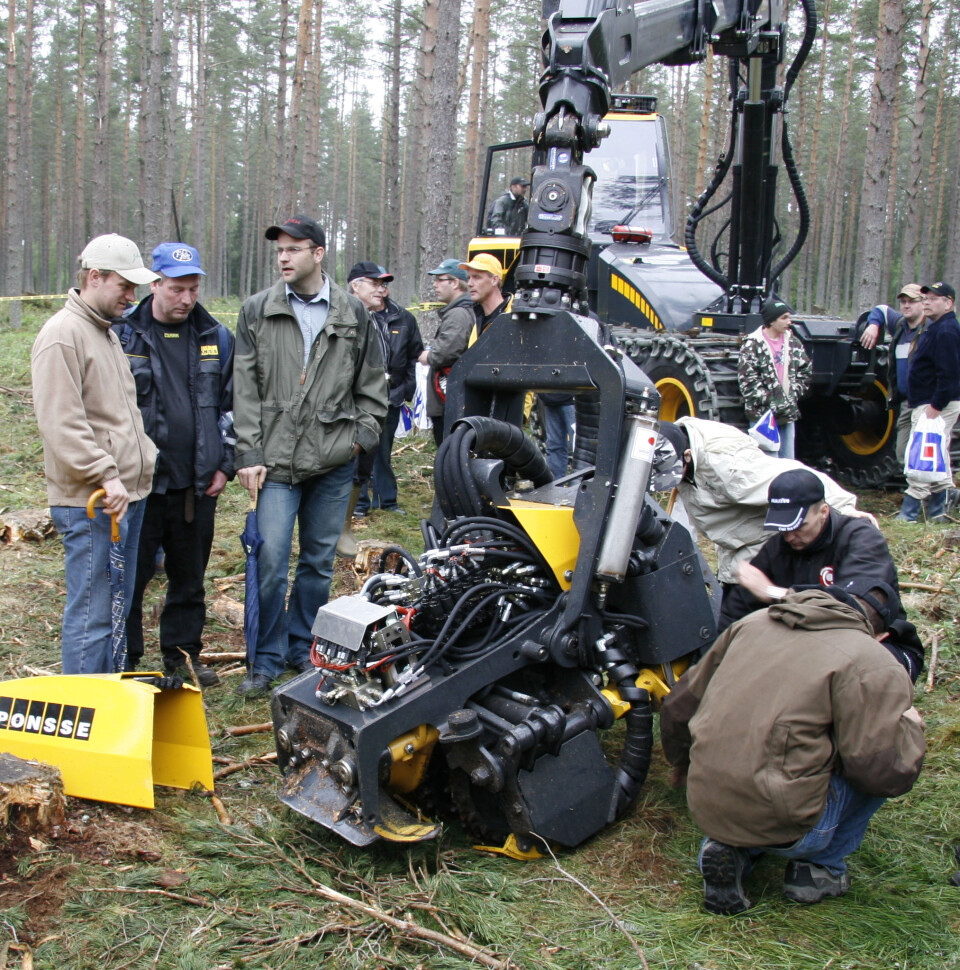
774,373
508,214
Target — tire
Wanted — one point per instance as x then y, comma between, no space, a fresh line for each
696,377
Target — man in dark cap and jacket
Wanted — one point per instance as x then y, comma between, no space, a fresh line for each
816,546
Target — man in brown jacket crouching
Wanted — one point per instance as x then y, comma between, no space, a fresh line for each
793,729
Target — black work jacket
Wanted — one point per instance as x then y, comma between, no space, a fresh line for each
406,345
848,548
210,386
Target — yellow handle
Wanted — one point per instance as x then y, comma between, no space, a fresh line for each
92,512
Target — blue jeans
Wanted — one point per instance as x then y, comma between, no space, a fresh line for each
559,419
85,646
318,506
384,482
835,835
788,438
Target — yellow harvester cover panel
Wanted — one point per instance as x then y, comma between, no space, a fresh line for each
553,532
112,737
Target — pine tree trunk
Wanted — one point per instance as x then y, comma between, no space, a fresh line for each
153,149
13,281
100,218
892,186
472,166
873,216
913,190
440,145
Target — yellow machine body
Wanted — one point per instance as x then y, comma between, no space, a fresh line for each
552,529
112,737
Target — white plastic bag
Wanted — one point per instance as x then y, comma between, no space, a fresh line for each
421,420
765,432
925,459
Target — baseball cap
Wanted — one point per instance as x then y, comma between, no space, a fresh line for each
790,496
519,180
449,267
300,227
863,587
912,291
369,270
176,259
119,254
486,263
772,310
941,289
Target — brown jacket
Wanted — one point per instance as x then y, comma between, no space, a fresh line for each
85,400
784,699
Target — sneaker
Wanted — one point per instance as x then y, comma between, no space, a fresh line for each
722,868
206,676
360,513
254,685
803,882
303,667
395,509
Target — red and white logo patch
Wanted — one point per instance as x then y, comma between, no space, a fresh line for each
826,576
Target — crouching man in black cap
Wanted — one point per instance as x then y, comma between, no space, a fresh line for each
831,732
817,546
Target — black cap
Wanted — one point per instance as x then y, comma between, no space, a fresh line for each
865,587
370,271
773,310
300,227
790,496
941,289
519,180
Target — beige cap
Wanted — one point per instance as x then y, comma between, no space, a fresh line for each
486,263
911,291
119,254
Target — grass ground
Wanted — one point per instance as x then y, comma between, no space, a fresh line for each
177,888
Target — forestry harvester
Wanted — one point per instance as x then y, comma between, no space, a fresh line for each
681,313
511,671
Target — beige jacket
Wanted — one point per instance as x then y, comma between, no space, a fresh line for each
727,499
86,406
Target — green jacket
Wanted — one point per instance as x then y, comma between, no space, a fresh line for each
759,384
302,422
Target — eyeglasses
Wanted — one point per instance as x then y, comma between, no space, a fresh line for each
376,284
290,250
444,279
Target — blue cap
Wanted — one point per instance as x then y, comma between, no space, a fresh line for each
177,259
449,267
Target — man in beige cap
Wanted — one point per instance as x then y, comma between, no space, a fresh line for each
86,405
903,328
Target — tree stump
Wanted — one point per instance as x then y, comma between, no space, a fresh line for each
31,795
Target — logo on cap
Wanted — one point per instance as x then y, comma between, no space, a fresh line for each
182,255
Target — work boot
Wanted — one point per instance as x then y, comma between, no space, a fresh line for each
254,685
910,510
206,676
804,882
937,507
347,543
722,867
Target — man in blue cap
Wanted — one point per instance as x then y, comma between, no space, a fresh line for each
182,362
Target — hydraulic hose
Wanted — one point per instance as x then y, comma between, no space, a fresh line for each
719,174
786,148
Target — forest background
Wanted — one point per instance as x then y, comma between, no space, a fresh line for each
207,122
